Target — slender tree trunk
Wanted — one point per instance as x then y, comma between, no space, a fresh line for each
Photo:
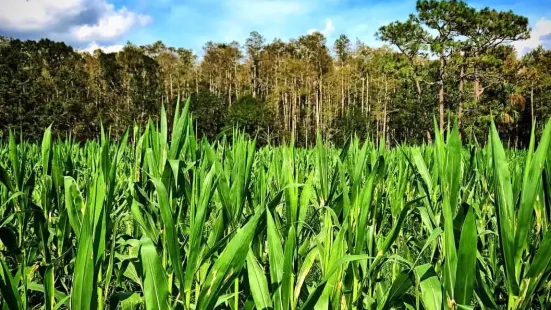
348,92
342,89
377,130
385,109
532,103
317,112
237,86
460,105
254,80
308,120
295,114
229,82
321,98
419,91
196,80
367,95
285,118
307,125
285,108
477,91
171,88
441,92
363,91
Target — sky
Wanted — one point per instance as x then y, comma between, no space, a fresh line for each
109,24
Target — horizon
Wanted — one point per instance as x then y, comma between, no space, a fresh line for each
110,24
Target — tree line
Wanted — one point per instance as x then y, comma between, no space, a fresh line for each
447,62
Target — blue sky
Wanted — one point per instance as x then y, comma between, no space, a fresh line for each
88,24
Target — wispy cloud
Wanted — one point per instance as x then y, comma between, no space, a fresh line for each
79,22
112,25
540,35
327,31
105,48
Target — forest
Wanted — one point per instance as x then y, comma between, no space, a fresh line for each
448,62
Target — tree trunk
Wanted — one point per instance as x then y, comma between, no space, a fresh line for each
532,103
196,81
367,95
363,91
295,114
477,90
308,114
321,98
342,89
385,109
419,91
171,88
441,92
348,93
460,105
254,80
317,112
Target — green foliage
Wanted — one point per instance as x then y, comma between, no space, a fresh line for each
251,115
210,113
170,221
352,123
446,50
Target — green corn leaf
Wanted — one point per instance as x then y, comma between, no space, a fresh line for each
228,264
49,289
164,126
74,205
530,188
132,303
466,263
423,171
399,287
5,179
170,229
47,150
63,299
258,283
275,256
542,258
389,240
431,289
315,296
505,211
14,160
288,275
303,272
83,293
198,219
453,168
8,288
154,280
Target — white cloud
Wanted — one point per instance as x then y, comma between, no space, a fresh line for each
23,15
105,48
327,31
110,26
75,21
541,29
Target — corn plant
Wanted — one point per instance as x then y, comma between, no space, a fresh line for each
161,219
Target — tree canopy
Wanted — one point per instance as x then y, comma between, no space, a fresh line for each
447,60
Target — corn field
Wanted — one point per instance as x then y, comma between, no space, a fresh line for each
160,220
